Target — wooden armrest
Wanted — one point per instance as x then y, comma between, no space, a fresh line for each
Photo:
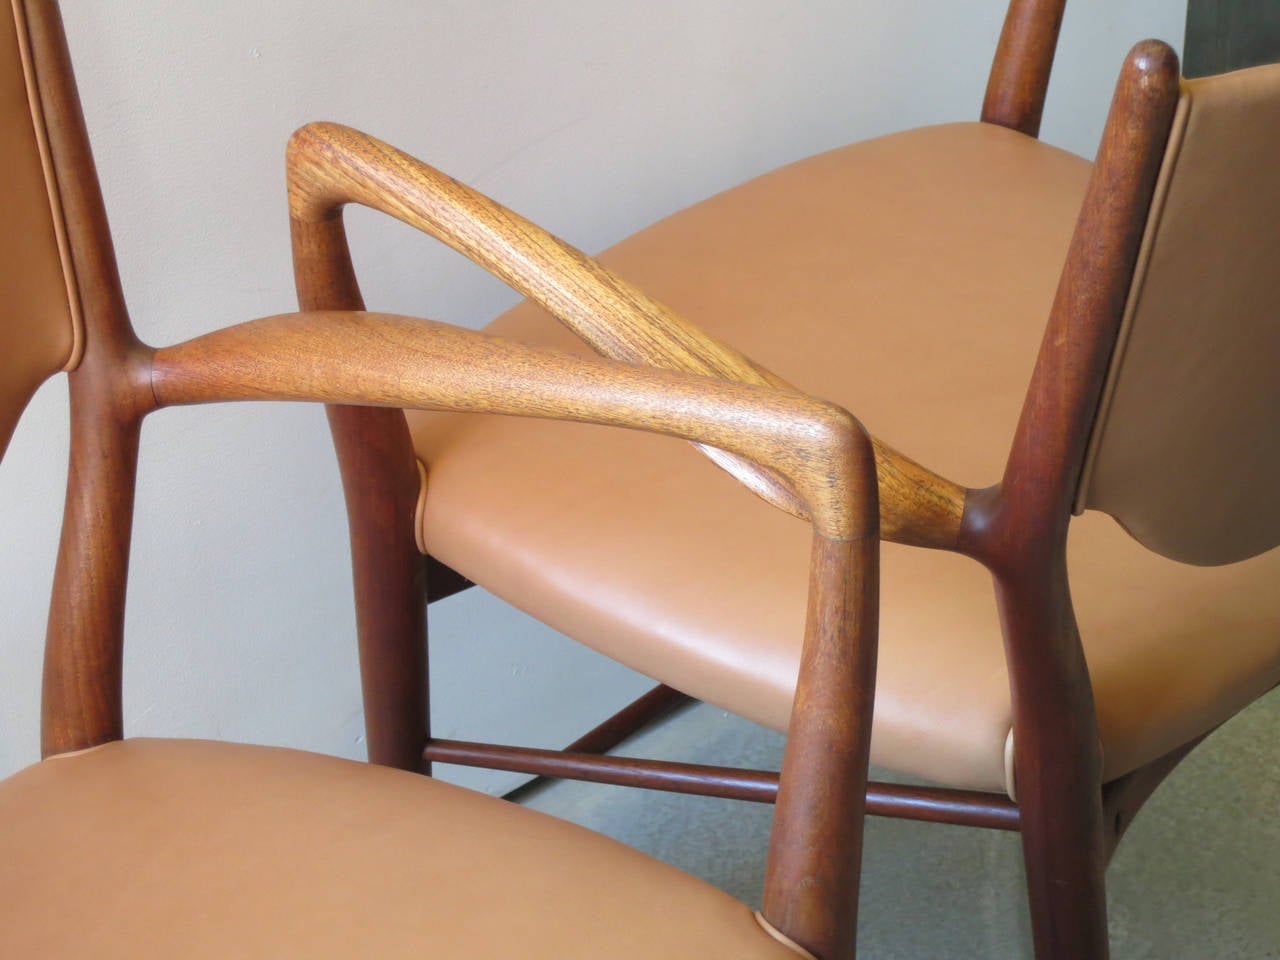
372,359
331,165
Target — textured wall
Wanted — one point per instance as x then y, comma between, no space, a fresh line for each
593,118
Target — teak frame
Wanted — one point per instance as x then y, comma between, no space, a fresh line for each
1069,821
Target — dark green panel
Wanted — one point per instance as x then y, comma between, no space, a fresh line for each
1227,35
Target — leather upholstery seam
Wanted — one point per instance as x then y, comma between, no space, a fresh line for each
781,937
1010,767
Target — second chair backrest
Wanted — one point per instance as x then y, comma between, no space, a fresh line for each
39,331
1186,451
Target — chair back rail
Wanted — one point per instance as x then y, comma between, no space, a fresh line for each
39,329
1185,452
1019,75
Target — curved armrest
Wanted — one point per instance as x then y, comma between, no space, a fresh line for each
375,359
331,165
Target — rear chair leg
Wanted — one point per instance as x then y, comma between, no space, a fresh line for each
380,481
1059,767
1064,849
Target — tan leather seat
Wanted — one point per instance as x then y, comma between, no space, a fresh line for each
162,848
642,549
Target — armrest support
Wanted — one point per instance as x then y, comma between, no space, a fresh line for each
381,360
332,165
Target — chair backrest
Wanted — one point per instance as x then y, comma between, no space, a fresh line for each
1185,451
39,327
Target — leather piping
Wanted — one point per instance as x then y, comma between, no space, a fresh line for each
1010,768
68,754
781,937
51,184
419,511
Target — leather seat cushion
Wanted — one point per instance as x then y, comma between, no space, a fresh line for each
164,848
909,279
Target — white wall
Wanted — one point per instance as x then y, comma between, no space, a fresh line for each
593,118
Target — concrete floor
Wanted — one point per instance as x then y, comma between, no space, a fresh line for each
1197,876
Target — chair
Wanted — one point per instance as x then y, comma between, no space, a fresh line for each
115,847
1043,665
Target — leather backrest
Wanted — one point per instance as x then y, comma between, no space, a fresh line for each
1186,449
39,330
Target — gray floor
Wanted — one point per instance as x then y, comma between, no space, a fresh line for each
1197,876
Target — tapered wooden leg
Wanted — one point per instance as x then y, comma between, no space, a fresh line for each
1059,769
380,481
1064,849
84,652
815,848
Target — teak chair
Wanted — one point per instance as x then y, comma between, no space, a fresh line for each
908,279
167,848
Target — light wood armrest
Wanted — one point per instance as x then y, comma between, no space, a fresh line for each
332,165
372,359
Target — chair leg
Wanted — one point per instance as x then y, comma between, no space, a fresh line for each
1058,763
1064,850
380,481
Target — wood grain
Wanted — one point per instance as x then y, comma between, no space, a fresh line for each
331,165
381,487
815,849
382,360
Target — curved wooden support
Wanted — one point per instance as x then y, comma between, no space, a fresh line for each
381,360
1019,76
331,165
84,648
380,485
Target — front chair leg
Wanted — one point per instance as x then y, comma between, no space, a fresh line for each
1064,850
1059,768
380,482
